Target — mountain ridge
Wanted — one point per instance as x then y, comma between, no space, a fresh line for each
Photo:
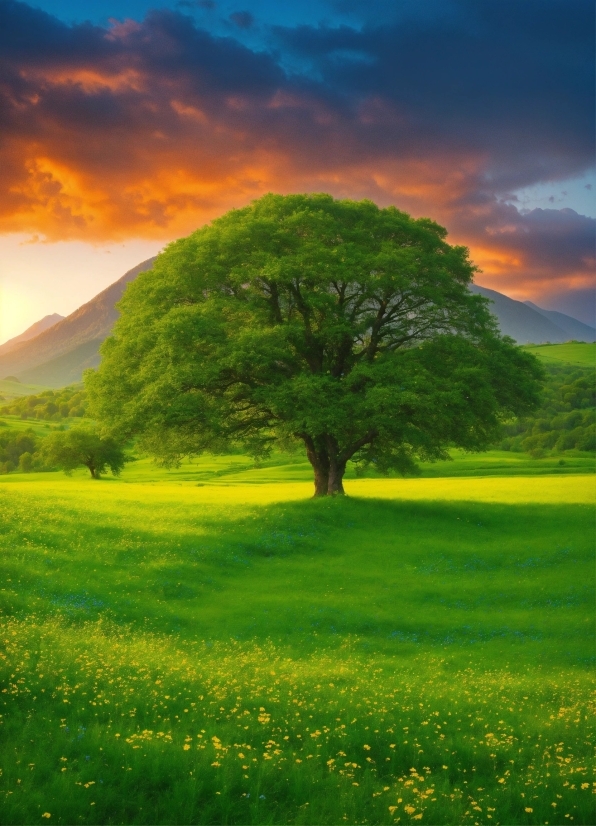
573,326
58,354
525,324
31,332
92,321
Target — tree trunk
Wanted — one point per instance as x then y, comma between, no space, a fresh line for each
317,456
337,467
321,480
329,462
335,485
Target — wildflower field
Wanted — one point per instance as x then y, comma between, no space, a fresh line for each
210,645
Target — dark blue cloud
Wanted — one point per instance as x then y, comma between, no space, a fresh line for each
444,113
242,19
512,79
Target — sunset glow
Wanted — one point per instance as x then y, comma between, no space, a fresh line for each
144,129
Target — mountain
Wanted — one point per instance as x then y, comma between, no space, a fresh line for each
67,368
58,355
575,329
524,323
35,329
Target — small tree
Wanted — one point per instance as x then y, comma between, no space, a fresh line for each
80,446
337,324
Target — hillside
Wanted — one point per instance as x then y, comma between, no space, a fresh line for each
528,324
68,368
58,355
14,389
575,329
31,332
576,353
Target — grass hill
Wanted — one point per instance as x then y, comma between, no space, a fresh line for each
11,389
577,353
236,652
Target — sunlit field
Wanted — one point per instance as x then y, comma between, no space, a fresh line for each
14,389
577,352
210,645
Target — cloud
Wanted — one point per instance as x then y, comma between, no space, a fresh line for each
148,129
242,19
544,250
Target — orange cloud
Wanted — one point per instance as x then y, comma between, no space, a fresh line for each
150,129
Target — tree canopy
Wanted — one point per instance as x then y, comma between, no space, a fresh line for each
81,446
301,318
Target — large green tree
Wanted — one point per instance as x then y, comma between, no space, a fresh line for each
301,318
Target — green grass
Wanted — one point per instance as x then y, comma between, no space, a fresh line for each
13,389
221,648
579,353
283,468
40,427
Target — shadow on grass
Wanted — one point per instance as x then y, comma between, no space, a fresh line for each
404,575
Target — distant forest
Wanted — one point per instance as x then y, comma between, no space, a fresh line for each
565,422
566,419
49,405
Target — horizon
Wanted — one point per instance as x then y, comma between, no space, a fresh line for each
132,129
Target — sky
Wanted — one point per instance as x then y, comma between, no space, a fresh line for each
126,125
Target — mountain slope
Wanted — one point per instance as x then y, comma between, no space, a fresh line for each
43,324
58,355
521,322
575,329
65,369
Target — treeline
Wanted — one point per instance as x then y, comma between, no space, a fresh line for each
49,405
19,450
565,420
63,448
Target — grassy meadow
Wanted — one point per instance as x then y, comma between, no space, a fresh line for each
577,353
211,645
15,389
